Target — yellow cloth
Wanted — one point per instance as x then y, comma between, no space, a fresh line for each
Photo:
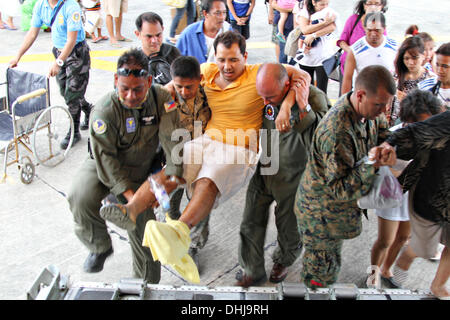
237,107
169,243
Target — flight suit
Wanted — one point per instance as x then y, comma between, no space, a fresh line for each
123,143
280,187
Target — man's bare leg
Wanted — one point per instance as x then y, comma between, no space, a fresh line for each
442,274
125,215
202,202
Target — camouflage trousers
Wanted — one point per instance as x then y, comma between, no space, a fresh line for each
73,79
322,256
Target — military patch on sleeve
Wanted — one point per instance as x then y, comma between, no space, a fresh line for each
99,126
76,17
269,112
170,106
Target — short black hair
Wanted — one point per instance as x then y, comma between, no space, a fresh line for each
133,56
444,49
185,67
418,102
150,17
207,4
373,77
375,17
228,38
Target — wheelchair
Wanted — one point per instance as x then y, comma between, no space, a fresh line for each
28,123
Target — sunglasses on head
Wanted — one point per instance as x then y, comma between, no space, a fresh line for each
135,72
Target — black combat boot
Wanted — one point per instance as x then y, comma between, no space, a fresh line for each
87,111
76,136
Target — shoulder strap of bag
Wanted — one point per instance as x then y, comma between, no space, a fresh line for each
156,102
56,13
353,28
435,88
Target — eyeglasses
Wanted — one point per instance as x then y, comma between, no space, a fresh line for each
135,72
371,4
219,13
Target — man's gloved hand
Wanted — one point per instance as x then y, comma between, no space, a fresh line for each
169,243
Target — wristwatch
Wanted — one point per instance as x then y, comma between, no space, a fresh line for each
59,62
307,109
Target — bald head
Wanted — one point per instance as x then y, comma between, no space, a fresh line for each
272,83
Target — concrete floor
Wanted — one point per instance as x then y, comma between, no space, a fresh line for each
37,226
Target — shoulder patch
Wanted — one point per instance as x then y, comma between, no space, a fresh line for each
76,17
99,126
269,112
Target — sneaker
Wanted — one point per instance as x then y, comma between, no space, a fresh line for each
95,261
281,37
438,254
117,214
65,143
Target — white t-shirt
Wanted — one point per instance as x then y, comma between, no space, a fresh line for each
366,55
443,94
325,47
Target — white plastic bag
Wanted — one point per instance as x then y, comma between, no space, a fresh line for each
386,192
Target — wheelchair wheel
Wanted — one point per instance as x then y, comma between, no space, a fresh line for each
50,129
26,171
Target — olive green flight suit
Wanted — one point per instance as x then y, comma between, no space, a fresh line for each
123,143
281,188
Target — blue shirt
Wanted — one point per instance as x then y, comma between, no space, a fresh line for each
192,42
240,7
68,19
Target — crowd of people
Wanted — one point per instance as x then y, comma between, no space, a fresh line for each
222,124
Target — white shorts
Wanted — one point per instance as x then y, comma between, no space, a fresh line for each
395,214
112,7
93,21
426,235
230,167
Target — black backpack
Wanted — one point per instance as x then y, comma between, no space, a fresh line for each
160,70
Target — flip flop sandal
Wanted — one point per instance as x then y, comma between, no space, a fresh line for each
117,214
125,40
104,38
8,27
116,45
96,40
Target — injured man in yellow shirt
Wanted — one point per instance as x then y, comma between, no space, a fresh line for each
215,165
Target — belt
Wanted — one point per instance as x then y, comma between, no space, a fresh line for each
79,44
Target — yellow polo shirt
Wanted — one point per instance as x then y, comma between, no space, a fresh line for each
237,110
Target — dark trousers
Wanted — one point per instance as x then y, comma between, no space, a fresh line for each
322,78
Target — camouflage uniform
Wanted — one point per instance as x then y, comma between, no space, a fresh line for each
184,117
333,180
73,79
123,143
280,187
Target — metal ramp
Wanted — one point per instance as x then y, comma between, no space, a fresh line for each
50,285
